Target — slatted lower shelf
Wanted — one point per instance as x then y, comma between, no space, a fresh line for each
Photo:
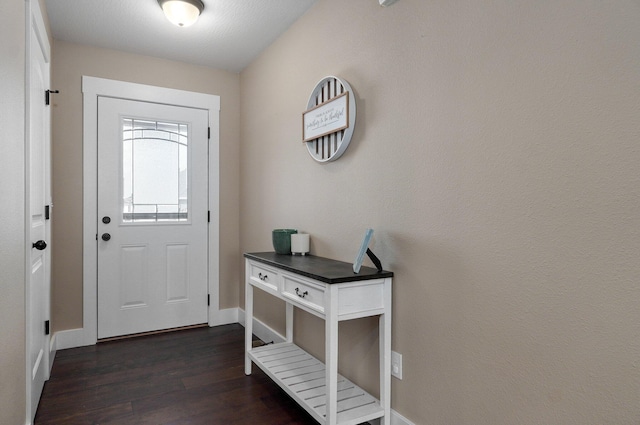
303,377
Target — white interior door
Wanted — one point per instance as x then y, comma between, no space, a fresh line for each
152,216
39,196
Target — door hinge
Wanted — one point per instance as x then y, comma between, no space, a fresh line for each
47,212
47,97
46,327
208,299
208,216
208,132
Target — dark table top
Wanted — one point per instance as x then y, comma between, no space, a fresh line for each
318,268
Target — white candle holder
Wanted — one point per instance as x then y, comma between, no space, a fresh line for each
300,243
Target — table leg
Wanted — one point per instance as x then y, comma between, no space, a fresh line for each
289,323
384,329
331,357
248,327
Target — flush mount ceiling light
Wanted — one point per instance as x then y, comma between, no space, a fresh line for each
182,12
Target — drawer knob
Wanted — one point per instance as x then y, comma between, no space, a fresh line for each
301,295
263,277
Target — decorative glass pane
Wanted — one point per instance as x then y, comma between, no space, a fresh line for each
154,171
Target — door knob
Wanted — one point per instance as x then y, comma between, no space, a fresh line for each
106,237
40,245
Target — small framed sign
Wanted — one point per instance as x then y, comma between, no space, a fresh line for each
363,249
326,118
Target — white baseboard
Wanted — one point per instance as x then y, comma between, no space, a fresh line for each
262,331
70,338
267,334
53,349
398,419
225,317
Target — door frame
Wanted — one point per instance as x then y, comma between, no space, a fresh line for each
93,87
35,27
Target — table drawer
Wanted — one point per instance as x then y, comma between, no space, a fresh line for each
304,293
264,276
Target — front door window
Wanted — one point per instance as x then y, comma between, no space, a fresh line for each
155,179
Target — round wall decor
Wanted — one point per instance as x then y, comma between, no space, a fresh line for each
328,123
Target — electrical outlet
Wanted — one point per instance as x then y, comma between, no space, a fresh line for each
396,365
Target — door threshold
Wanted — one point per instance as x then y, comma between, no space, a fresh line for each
160,331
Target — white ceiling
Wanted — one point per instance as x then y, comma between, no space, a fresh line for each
228,35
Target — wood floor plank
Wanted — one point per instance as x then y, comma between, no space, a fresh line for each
193,376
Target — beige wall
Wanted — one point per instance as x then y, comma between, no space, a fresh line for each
70,63
12,230
496,156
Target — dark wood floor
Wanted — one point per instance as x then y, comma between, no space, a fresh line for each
191,377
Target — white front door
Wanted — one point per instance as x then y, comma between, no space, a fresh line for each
39,200
152,216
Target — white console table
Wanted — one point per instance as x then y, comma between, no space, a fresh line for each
330,290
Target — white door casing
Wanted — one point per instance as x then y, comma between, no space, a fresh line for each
92,88
152,216
38,187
